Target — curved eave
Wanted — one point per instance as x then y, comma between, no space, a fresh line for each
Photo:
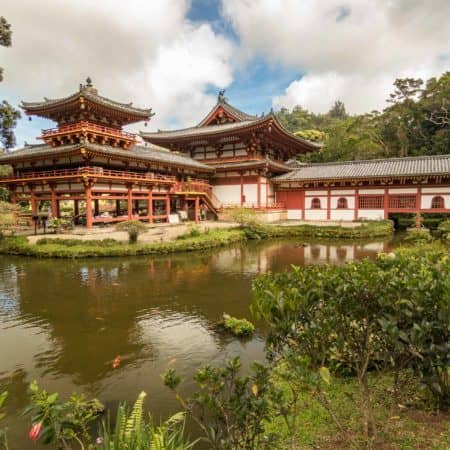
195,135
50,106
235,113
44,152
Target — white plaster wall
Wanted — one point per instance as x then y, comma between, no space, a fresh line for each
371,214
229,194
323,202
350,202
436,190
316,214
315,193
294,214
250,192
342,214
402,190
343,192
426,201
371,191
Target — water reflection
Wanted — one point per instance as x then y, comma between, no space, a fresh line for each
63,322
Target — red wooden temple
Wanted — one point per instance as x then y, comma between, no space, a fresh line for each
88,158
229,159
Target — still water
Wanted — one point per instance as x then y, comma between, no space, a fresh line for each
63,322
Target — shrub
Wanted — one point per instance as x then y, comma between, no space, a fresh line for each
59,422
58,224
444,230
230,409
238,327
369,315
418,236
191,232
243,216
133,227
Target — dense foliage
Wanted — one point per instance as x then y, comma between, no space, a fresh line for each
134,228
8,114
415,122
388,314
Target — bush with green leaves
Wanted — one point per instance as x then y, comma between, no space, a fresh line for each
58,224
3,436
133,432
391,313
7,217
61,422
444,230
230,409
418,236
133,227
238,327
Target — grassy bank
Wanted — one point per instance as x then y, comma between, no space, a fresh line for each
74,248
405,424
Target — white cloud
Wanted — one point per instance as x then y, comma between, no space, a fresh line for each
144,51
347,49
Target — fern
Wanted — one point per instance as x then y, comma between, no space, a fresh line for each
134,421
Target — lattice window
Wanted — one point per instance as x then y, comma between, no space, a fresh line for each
342,203
438,202
315,203
370,201
402,201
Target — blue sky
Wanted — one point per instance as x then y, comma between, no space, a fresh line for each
175,55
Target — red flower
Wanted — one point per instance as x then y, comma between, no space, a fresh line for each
35,430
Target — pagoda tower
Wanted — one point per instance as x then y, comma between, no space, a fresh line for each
86,116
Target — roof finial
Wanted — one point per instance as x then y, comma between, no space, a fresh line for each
221,97
88,82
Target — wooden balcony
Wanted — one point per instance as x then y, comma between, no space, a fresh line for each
94,172
89,130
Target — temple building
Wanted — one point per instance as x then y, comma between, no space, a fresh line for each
88,158
229,159
245,151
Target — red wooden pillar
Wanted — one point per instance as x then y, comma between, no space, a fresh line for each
303,204
168,207
197,209
328,205
258,194
54,203
150,206
130,201
242,189
33,204
356,203
418,207
386,203
88,193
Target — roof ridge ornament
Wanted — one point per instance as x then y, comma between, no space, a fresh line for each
221,97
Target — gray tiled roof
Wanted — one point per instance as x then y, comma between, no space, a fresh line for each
91,94
241,115
255,163
377,168
150,153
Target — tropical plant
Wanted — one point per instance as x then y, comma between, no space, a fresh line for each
3,436
62,423
133,432
133,227
230,409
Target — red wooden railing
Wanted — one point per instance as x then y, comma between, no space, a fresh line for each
88,126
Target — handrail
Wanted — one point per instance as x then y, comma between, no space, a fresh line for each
87,126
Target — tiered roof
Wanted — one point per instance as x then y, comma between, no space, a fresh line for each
421,166
84,101
151,153
226,123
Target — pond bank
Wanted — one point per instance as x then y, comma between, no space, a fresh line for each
193,240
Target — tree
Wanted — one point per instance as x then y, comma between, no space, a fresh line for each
338,111
8,114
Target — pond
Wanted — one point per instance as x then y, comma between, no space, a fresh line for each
63,322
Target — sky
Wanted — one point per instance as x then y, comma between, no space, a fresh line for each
175,55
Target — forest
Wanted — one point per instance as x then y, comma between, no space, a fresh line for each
415,122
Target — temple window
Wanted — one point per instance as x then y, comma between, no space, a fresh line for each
315,203
342,203
437,202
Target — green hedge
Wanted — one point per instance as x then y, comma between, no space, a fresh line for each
73,248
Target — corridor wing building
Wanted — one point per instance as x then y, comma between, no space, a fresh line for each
229,159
